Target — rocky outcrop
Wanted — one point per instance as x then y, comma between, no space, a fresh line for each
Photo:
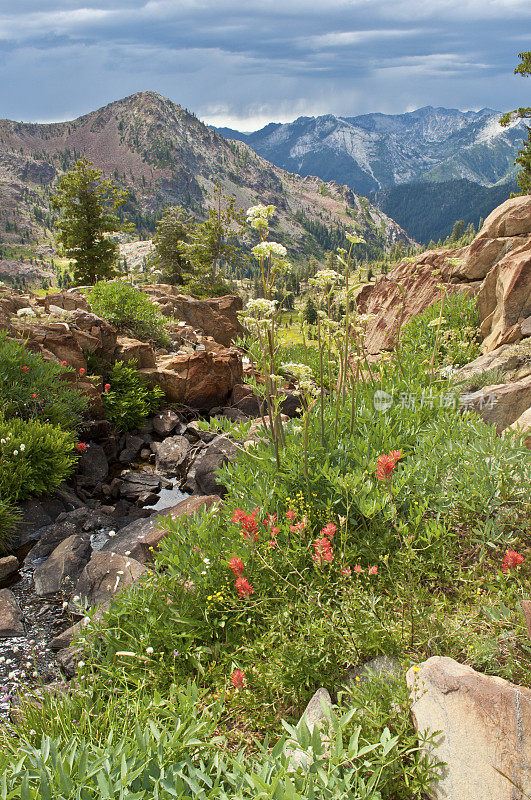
128,349
202,380
496,267
502,404
522,425
484,731
216,317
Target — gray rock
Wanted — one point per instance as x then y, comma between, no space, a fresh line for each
135,484
165,422
53,535
93,463
62,569
218,453
313,716
105,575
11,623
133,446
171,454
8,566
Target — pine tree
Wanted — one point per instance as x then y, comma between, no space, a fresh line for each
524,155
88,204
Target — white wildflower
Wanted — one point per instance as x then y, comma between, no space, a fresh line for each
22,447
260,212
149,650
326,277
260,307
267,249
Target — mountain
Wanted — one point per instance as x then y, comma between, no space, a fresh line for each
165,156
376,151
428,210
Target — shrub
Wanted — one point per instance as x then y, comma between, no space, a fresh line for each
35,457
9,516
129,401
455,340
126,307
32,388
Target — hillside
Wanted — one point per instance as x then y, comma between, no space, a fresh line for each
165,156
428,210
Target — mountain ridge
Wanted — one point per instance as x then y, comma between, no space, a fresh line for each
166,156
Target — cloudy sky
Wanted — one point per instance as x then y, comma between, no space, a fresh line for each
244,63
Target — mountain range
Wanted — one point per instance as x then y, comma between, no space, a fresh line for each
165,156
373,153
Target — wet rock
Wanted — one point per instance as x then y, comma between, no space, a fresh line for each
106,574
171,454
37,515
11,623
132,446
62,569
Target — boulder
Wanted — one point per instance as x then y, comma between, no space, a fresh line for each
171,454
11,623
67,300
135,484
511,218
105,575
218,453
502,404
165,422
484,726
202,380
133,350
52,536
93,463
504,300
141,537
62,568
8,566
216,317
314,716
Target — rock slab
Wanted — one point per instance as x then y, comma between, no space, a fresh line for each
484,726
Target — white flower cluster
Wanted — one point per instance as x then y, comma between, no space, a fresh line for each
326,277
267,249
260,212
26,312
300,371
260,307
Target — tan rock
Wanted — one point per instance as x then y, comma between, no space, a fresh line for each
485,730
66,300
201,380
512,218
133,350
8,566
504,300
483,254
502,404
11,623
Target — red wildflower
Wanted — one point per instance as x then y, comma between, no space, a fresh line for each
238,679
64,363
299,526
34,395
290,514
270,519
386,464
236,565
243,587
329,530
346,572
238,515
25,369
82,371
81,447
274,531
323,551
511,560
107,387
358,568
272,543
373,570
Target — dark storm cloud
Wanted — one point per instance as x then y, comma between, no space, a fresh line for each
245,63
